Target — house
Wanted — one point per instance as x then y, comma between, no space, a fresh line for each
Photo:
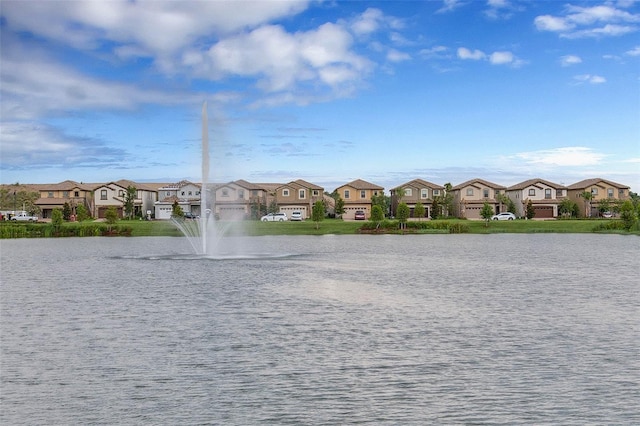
545,197
54,196
298,195
469,198
357,196
414,192
185,193
238,200
602,192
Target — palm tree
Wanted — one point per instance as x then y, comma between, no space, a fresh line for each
588,196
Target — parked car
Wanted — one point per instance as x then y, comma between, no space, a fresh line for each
607,215
359,215
296,215
24,217
274,217
189,215
504,216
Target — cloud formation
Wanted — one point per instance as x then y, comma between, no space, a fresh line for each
605,20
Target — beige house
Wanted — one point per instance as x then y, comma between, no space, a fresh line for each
238,199
601,190
414,192
357,196
298,195
469,198
54,196
113,194
545,197
185,193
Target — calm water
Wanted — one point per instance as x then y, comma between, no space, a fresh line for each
433,329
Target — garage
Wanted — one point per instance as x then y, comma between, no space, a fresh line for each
543,212
231,213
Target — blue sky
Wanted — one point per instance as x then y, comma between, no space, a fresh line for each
329,92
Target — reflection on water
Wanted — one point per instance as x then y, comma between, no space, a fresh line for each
434,329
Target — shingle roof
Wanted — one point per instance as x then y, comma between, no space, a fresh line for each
419,183
480,181
589,182
530,182
362,184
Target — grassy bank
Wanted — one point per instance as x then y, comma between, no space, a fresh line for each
329,226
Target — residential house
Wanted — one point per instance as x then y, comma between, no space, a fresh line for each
185,193
239,200
54,196
469,198
113,194
357,196
603,194
298,195
414,192
545,197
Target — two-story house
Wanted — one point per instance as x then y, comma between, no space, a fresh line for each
545,197
601,190
113,194
298,195
414,192
469,198
237,200
357,196
54,196
185,193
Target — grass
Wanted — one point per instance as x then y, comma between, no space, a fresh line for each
140,228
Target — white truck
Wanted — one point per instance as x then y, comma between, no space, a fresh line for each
24,217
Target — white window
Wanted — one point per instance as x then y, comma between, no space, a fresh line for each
436,192
547,193
346,194
103,194
225,192
424,193
315,192
594,191
532,192
285,192
610,193
301,194
469,192
408,192
363,194
241,194
485,193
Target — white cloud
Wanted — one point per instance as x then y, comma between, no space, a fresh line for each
633,52
499,58
604,20
569,60
450,5
394,55
588,78
476,55
573,156
368,22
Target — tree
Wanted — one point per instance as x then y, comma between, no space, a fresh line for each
129,201
419,210
66,211
402,213
447,200
317,213
436,207
377,215
81,213
568,208
604,205
381,200
339,205
273,206
531,212
398,194
57,218
20,200
588,196
176,211
486,213
628,215
111,216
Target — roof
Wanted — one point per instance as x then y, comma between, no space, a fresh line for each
299,183
419,183
479,181
590,182
530,182
362,184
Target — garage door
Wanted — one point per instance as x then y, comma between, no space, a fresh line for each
543,212
231,213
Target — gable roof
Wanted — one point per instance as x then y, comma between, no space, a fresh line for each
590,182
530,182
419,183
481,182
361,184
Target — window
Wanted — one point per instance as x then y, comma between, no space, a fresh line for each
182,193
436,192
315,192
50,194
497,193
346,194
621,192
547,193
301,194
190,193
610,193
197,192
225,192
76,194
408,192
469,192
363,194
241,194
167,193
532,192
594,191
285,192
558,192
485,193
65,194
103,194
121,193
424,193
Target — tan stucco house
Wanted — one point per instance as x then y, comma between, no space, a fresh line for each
357,196
601,190
298,195
416,191
54,196
470,196
545,197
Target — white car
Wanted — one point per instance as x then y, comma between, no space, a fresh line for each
504,216
274,217
296,215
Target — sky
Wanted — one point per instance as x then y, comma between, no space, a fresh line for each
325,91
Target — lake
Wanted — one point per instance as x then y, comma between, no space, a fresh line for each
324,330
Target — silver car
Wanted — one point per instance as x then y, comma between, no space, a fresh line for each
504,216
